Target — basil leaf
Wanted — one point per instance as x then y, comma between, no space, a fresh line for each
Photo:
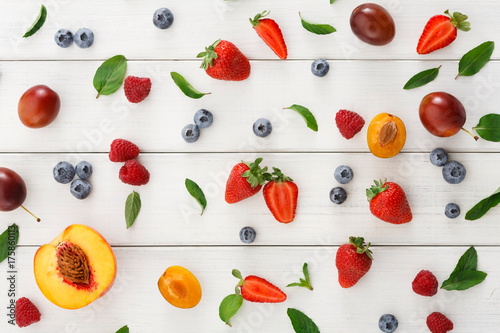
483,206
186,87
39,21
124,329
229,307
306,114
422,78
463,280
132,208
319,29
109,76
197,193
488,127
300,322
475,59
467,262
8,241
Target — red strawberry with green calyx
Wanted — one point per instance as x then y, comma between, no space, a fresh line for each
224,61
388,202
281,194
245,180
353,261
271,34
257,289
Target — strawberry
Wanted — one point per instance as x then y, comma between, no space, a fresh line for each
122,150
353,261
134,173
270,32
438,323
136,88
280,194
256,289
26,312
388,202
349,123
441,31
224,61
425,283
245,180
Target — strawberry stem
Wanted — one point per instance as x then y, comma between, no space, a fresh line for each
256,175
279,177
257,17
237,274
209,55
374,190
361,247
459,20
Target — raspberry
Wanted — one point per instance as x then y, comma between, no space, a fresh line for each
134,173
122,150
136,88
438,323
26,312
349,123
425,283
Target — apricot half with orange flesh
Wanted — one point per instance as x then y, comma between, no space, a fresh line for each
386,135
180,287
76,268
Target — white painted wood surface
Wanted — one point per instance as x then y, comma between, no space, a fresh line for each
169,231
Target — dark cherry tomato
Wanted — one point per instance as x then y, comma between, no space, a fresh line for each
442,114
373,24
38,106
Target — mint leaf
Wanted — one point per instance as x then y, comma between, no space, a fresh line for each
229,307
463,280
483,206
109,76
467,262
301,323
422,78
132,208
197,193
39,21
306,114
315,28
305,282
475,59
488,127
124,329
186,87
8,241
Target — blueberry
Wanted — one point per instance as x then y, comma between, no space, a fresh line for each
190,133
438,157
262,127
343,174
247,235
64,172
338,195
454,172
63,38
203,118
387,323
163,18
84,38
80,188
452,210
83,169
320,67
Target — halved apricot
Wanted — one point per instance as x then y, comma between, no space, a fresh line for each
386,135
76,268
180,287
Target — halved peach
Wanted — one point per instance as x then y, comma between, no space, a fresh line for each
386,135
76,268
180,287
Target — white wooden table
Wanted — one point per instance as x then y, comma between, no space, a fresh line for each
169,231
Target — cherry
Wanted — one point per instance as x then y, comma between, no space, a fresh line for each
38,106
12,191
373,24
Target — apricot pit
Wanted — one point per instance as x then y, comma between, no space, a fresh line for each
386,135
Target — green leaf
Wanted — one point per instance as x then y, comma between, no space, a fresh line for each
305,282
132,208
332,1
39,21
488,127
319,29
483,206
197,193
8,241
475,59
306,114
124,329
463,280
229,307
467,262
186,87
109,76
422,78
300,322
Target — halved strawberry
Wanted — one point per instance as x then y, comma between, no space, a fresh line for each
281,194
256,289
271,34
